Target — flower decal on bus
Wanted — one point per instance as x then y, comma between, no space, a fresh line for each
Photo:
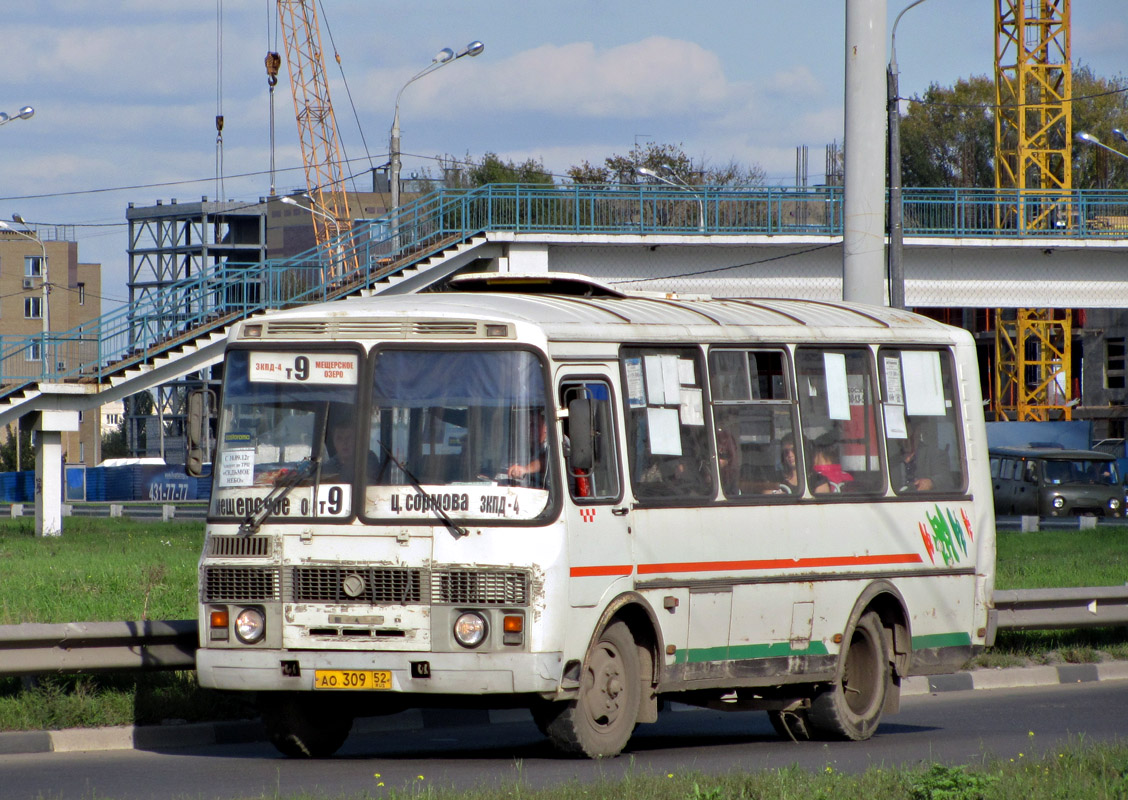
946,535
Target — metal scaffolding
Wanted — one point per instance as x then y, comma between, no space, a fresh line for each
1033,157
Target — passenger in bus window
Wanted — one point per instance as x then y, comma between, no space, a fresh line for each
789,466
828,473
728,457
919,467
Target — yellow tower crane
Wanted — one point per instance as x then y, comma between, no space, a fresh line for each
1033,157
317,127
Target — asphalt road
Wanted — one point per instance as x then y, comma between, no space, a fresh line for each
953,727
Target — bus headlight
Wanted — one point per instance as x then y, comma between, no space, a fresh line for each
1114,504
1059,502
250,625
470,629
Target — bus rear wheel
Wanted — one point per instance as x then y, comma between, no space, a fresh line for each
851,707
301,725
599,722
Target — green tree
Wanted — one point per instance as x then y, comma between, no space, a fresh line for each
948,136
669,160
8,452
1099,105
113,444
492,169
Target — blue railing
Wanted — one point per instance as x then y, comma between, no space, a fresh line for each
374,249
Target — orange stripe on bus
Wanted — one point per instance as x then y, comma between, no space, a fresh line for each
781,563
591,572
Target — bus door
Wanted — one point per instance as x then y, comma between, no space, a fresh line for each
597,518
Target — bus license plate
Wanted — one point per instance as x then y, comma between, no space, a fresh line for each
352,679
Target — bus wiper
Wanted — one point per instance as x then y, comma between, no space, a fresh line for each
282,487
455,530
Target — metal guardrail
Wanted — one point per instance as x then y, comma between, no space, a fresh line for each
87,647
1044,609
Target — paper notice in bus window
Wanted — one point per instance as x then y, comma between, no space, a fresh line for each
665,433
895,422
237,467
837,393
662,384
924,384
893,392
321,368
636,388
687,374
692,409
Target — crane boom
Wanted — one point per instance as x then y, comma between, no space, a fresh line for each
317,124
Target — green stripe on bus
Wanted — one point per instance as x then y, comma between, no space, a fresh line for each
957,639
747,651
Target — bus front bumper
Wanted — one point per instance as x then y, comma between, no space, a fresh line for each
411,673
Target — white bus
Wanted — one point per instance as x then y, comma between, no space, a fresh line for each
551,494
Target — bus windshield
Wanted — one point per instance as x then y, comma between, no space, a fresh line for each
273,446
465,432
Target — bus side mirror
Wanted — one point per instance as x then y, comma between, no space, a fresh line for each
582,453
196,430
1031,473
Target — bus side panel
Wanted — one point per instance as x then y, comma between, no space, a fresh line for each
769,587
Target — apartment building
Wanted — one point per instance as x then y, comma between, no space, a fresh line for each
73,298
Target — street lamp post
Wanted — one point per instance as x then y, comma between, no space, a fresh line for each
1089,138
442,58
678,183
27,112
290,201
44,312
896,265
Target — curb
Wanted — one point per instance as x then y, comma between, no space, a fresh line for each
155,737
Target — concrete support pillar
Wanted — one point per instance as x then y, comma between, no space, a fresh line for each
863,224
49,484
524,258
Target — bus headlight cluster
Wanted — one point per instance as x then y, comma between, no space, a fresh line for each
1114,504
470,629
1059,502
250,625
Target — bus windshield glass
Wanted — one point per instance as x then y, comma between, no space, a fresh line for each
273,444
463,433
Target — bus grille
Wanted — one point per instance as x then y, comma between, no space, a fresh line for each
398,585
479,587
239,584
239,546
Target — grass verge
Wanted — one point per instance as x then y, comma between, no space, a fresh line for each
1090,771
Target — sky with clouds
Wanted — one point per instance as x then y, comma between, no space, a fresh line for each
126,92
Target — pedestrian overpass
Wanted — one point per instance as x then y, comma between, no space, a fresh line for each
963,248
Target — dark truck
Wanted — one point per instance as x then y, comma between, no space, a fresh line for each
1055,482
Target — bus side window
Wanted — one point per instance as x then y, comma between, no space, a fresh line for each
838,412
753,423
670,455
922,421
601,481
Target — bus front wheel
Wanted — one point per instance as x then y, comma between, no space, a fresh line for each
599,722
851,707
301,725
